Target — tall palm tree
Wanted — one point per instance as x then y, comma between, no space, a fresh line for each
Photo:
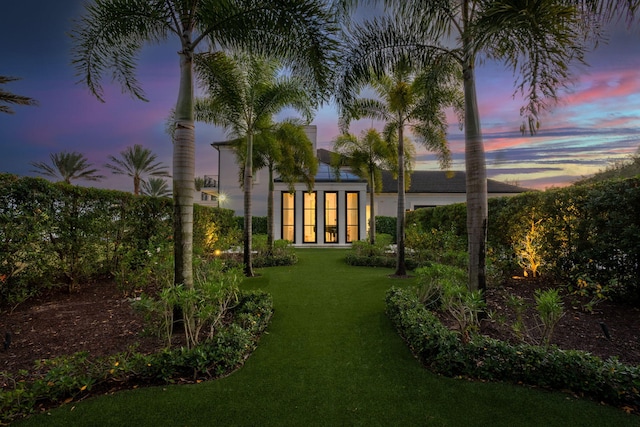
244,92
367,156
10,98
108,38
136,162
155,187
285,149
67,167
538,39
407,97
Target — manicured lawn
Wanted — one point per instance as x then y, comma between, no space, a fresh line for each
332,358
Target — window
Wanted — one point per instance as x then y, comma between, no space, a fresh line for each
353,214
288,216
309,218
331,217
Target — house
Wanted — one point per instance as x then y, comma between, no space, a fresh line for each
332,214
336,211
429,189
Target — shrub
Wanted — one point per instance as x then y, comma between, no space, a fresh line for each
387,225
71,377
440,350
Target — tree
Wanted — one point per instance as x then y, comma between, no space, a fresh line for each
537,39
136,162
286,150
10,98
109,37
67,167
366,156
155,187
244,92
407,97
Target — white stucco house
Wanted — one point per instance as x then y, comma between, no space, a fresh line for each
336,211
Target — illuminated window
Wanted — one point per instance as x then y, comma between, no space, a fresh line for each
330,217
309,218
353,213
288,216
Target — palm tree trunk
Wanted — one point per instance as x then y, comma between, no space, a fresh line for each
477,208
372,210
270,211
401,269
136,185
183,174
248,182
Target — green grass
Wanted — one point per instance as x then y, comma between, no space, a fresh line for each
332,358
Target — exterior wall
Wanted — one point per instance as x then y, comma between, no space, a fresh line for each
341,188
387,203
232,195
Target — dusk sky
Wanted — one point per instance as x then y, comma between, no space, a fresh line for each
595,123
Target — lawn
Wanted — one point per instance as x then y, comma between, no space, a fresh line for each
332,358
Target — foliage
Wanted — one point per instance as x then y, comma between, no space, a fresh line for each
592,290
68,378
7,97
280,254
528,249
441,351
436,246
61,235
67,167
589,230
386,225
258,224
155,187
136,162
444,288
550,309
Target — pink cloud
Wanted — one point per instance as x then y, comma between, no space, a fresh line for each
605,85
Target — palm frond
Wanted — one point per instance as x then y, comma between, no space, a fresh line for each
11,98
110,36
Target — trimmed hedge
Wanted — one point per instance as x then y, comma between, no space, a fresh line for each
59,234
442,351
585,230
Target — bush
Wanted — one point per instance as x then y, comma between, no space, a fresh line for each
440,350
387,225
73,377
63,235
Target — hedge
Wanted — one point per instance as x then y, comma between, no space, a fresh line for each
442,351
59,234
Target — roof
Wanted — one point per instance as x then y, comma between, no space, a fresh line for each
327,174
443,182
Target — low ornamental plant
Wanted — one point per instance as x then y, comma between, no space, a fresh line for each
68,378
441,350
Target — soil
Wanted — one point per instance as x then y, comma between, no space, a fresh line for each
99,319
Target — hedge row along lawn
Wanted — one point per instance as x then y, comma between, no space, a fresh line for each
331,357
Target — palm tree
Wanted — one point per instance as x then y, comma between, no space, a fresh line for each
244,92
286,150
406,97
135,162
67,167
366,156
107,40
538,39
10,98
155,187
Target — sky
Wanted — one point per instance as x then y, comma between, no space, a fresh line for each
597,121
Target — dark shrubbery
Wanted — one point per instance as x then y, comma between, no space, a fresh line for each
583,231
75,376
387,225
442,351
61,235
